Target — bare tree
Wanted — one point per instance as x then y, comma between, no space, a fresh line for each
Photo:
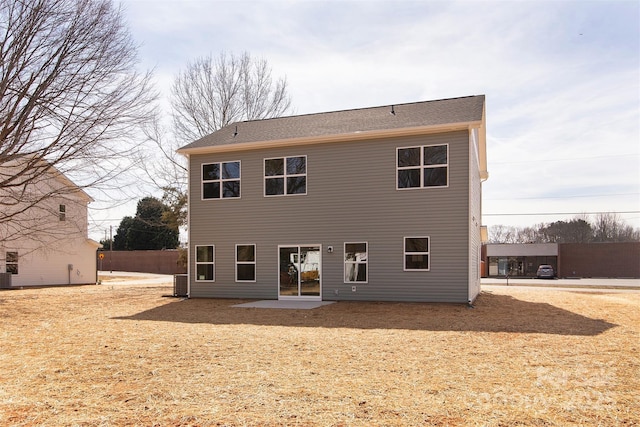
208,94
70,98
166,171
608,227
527,235
502,234
212,92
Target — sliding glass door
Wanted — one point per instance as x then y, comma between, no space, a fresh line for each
299,272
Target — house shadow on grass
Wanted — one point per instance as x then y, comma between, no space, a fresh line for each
492,313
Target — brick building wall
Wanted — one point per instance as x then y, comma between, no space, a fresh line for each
621,260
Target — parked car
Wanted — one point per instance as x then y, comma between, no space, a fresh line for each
545,272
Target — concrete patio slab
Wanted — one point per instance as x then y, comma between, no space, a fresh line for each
285,304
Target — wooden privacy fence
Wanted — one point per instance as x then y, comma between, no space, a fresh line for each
158,262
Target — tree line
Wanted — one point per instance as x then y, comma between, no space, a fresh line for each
605,227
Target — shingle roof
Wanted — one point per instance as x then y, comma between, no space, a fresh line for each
417,114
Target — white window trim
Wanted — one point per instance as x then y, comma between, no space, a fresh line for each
221,180
405,253
366,263
422,167
213,279
284,177
254,262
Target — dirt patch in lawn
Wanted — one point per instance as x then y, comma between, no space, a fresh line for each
116,355
119,279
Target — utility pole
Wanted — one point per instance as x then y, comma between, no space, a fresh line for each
111,248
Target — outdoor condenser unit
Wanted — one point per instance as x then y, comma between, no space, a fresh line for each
5,280
180,285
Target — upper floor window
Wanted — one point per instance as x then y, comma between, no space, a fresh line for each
285,175
11,262
62,213
416,253
423,166
221,180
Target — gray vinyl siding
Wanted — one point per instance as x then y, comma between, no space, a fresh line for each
351,197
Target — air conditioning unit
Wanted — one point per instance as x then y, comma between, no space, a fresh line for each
180,285
5,280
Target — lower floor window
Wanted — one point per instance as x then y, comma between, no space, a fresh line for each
416,253
355,262
11,262
205,263
245,263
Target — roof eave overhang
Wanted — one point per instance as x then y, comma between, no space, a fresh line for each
69,185
92,242
482,146
74,188
343,137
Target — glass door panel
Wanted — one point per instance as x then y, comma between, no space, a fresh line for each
310,271
289,268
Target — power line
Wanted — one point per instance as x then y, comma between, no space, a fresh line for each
558,213
562,160
567,197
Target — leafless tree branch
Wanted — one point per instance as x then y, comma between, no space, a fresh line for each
212,92
70,100
208,94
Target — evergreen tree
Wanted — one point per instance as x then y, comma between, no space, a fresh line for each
148,230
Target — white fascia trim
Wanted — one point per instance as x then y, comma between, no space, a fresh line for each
482,144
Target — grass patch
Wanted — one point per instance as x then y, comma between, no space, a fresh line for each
117,355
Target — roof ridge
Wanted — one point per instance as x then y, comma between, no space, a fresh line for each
416,114
354,109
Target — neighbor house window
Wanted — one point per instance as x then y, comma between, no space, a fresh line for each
11,260
423,166
355,262
416,253
245,263
62,211
205,263
221,180
285,175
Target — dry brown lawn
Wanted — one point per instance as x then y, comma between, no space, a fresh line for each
114,355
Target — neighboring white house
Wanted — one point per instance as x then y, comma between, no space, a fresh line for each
43,230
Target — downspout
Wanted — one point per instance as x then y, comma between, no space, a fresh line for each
96,258
188,226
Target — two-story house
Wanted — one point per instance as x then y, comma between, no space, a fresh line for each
43,228
380,204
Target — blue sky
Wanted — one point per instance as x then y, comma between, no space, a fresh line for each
562,79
